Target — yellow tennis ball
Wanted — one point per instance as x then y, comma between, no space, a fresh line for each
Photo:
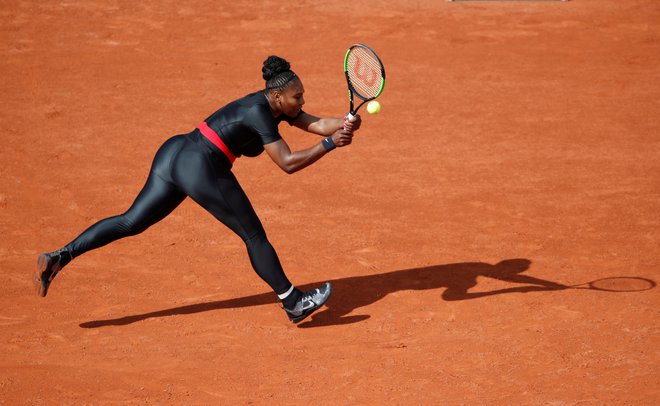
373,107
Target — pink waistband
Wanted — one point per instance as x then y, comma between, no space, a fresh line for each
216,140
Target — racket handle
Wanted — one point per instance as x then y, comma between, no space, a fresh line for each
347,118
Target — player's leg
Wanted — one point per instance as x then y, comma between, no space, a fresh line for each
208,180
155,201
224,199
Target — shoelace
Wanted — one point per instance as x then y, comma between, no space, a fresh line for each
310,296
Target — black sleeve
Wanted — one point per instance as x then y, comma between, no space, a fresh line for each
260,120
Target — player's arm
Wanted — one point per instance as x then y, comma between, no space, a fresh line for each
291,162
325,126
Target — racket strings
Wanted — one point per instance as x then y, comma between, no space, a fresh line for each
365,73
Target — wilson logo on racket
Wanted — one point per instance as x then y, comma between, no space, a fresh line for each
360,69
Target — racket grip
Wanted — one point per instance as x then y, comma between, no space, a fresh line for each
347,118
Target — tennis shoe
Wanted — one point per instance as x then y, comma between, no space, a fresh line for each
48,265
309,302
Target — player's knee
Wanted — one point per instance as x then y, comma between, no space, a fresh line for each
256,239
130,226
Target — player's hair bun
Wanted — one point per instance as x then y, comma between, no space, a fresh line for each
277,73
273,66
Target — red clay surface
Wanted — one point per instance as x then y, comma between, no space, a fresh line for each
517,151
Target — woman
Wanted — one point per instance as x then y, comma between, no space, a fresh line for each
198,165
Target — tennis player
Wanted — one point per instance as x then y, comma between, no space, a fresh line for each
198,165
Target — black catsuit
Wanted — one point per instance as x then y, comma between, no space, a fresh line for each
191,165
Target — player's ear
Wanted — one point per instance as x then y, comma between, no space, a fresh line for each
277,96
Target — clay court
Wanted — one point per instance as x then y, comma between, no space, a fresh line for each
517,156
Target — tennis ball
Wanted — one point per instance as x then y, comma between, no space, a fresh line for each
373,107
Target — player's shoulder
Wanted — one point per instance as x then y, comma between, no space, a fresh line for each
254,99
257,105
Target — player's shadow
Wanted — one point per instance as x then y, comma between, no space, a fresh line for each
357,292
457,279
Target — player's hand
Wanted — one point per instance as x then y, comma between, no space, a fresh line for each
342,138
353,124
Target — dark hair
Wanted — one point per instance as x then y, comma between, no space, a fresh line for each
277,73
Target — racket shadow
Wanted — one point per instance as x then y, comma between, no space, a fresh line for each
356,292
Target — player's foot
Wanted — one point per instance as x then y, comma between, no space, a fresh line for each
309,302
48,265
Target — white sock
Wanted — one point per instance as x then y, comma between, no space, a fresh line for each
286,294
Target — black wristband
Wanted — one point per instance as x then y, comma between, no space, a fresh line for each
328,144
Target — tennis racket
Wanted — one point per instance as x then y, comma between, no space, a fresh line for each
365,76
